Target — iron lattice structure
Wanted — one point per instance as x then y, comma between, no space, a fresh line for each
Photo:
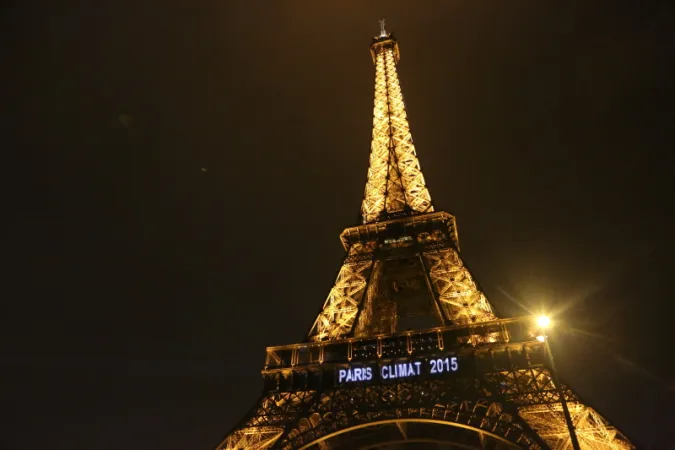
395,181
403,265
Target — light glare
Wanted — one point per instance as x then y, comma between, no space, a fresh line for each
543,321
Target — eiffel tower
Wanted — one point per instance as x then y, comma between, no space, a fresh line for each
406,349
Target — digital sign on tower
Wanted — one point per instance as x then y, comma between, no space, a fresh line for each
396,369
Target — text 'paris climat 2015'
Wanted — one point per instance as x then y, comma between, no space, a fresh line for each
404,369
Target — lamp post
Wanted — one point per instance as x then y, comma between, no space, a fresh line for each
544,322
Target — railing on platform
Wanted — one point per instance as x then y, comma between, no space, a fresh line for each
419,342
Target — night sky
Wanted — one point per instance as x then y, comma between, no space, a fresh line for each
183,170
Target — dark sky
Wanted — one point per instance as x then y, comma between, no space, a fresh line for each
141,290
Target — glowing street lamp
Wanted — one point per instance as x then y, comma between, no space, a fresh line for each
544,322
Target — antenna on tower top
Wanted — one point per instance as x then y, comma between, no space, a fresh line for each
383,31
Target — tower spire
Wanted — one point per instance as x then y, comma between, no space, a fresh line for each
383,30
395,183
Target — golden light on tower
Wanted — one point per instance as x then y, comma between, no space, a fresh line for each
395,181
395,187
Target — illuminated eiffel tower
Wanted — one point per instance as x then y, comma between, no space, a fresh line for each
406,349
